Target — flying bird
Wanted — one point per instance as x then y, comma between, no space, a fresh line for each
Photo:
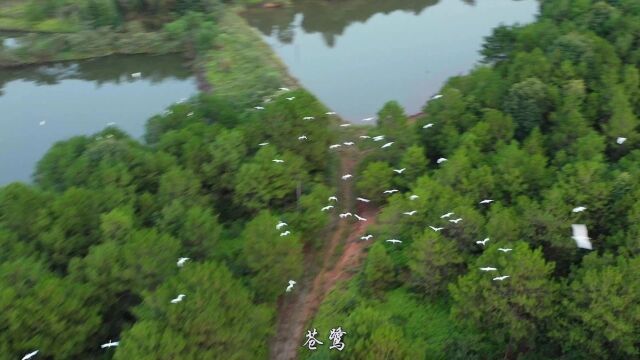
488,269
365,137
110,344
42,123
290,98
136,75
335,146
348,143
505,250
258,107
483,242
284,89
360,218
441,160
182,261
346,176
327,208
621,140
344,215
178,299
330,113
455,221
413,197
290,287
391,191
363,199
332,198
366,237
486,201
302,137
277,160
308,118
579,209
394,241
400,171
427,126
345,125
263,144
111,124
280,225
378,138
580,236
386,145
410,213
438,96
436,229
285,233
368,119
30,355
500,278
446,215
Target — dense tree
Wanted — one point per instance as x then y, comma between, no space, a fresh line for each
379,273
433,262
204,324
375,179
513,310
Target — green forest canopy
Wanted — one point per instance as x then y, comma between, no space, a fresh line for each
89,250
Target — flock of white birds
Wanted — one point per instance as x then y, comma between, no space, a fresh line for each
580,234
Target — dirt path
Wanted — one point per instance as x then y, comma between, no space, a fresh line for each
294,312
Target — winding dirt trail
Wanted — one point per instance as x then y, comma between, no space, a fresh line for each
294,312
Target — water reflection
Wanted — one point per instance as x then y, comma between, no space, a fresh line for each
40,105
355,55
329,18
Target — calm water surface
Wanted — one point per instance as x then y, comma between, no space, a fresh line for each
356,55
80,99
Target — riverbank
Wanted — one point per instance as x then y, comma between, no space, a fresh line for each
241,66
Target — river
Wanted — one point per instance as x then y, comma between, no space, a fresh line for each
356,55
81,98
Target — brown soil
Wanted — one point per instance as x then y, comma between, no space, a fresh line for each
294,312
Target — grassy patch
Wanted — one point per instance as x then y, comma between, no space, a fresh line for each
242,67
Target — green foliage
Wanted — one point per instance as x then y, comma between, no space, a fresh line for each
375,179
510,311
378,272
204,324
272,259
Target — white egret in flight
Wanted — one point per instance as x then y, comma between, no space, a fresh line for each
386,145
182,261
363,199
290,287
348,143
500,278
365,137
505,250
400,171
42,123
441,160
308,118
329,207
277,160
413,197
483,242
366,237
30,355
178,299
427,126
110,344
378,138
330,113
446,215
486,201
285,233
437,96
280,225
360,218
410,213
579,209
436,229
136,75
346,176
621,140
488,269
368,119
394,241
391,191
290,98
258,107
334,146
302,137
263,144
581,236
455,221
284,89
332,198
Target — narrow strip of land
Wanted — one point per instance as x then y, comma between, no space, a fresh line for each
296,311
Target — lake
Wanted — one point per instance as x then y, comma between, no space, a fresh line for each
81,98
356,55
